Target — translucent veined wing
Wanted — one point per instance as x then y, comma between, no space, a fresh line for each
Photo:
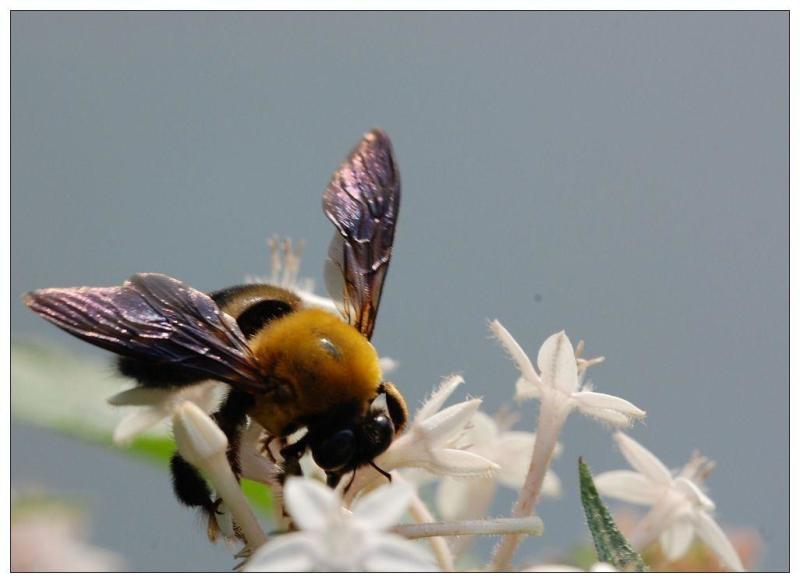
362,200
154,317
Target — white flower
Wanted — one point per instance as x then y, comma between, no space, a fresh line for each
431,443
204,445
459,499
156,405
50,537
560,379
331,538
559,386
680,509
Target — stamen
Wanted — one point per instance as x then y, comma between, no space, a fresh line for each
275,256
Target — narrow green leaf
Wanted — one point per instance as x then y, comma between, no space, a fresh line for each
65,392
54,388
611,546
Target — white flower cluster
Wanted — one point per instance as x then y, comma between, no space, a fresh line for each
468,452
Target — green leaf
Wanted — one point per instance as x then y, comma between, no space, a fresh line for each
57,389
611,546
67,393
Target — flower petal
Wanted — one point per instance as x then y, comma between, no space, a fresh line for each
694,493
614,418
140,396
717,541
435,402
551,486
448,424
675,541
288,552
393,553
628,486
197,436
136,423
483,431
642,459
464,498
455,462
521,360
590,400
512,453
557,363
384,506
527,390
309,503
658,519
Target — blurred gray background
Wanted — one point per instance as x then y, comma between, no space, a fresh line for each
623,176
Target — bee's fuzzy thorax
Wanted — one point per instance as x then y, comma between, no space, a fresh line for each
320,359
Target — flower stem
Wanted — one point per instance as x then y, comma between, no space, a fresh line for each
441,550
552,415
531,525
221,476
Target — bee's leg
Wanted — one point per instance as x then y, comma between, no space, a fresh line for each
189,486
290,466
291,455
333,479
265,443
231,418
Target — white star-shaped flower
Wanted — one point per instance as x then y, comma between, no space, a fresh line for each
680,509
461,499
432,442
560,379
332,538
156,405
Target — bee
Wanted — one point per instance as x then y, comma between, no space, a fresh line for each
289,366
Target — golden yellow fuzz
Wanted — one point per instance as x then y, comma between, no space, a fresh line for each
322,360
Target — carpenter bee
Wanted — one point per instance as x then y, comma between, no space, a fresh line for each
289,366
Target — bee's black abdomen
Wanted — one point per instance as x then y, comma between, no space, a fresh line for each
258,315
255,305
158,375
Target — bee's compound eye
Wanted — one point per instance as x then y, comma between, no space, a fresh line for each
378,432
336,451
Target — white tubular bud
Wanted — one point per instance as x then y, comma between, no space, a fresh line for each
203,444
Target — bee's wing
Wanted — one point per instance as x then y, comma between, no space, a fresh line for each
154,317
362,200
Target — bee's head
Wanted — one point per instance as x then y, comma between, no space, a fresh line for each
342,447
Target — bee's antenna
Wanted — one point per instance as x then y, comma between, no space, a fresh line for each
385,474
350,483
